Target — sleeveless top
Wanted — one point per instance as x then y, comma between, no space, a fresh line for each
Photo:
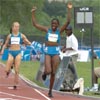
52,37
16,39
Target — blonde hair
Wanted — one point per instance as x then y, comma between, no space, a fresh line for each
15,23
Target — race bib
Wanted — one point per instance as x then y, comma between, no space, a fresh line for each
52,37
15,40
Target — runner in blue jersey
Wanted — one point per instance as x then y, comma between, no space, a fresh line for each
14,41
52,38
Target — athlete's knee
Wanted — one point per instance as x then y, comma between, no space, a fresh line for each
53,72
56,64
7,69
47,72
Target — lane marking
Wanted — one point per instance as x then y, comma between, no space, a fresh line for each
42,94
31,83
18,96
8,99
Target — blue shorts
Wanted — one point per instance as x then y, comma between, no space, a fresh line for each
52,50
14,53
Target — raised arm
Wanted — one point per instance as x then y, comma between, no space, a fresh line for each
25,40
5,44
35,24
69,7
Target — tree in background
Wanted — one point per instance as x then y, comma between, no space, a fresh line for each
55,8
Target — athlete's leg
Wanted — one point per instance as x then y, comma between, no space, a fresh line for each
47,69
9,64
16,66
55,62
47,64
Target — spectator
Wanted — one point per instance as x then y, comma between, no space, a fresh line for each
96,75
71,48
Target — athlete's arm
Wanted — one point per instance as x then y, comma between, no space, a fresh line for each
69,6
35,24
25,40
65,49
5,44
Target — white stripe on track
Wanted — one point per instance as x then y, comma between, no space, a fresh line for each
18,96
8,99
42,94
31,83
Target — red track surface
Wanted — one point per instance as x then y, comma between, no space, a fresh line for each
26,92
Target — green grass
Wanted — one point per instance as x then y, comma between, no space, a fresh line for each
29,69
84,70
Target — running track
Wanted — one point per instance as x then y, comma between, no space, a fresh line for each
30,92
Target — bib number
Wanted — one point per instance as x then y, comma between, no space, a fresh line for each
15,40
52,37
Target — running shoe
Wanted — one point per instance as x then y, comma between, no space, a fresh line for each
14,87
12,67
7,74
93,89
44,76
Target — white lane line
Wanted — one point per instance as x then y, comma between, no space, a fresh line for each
8,99
31,83
18,96
42,94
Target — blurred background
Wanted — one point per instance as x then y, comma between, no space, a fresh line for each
20,10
